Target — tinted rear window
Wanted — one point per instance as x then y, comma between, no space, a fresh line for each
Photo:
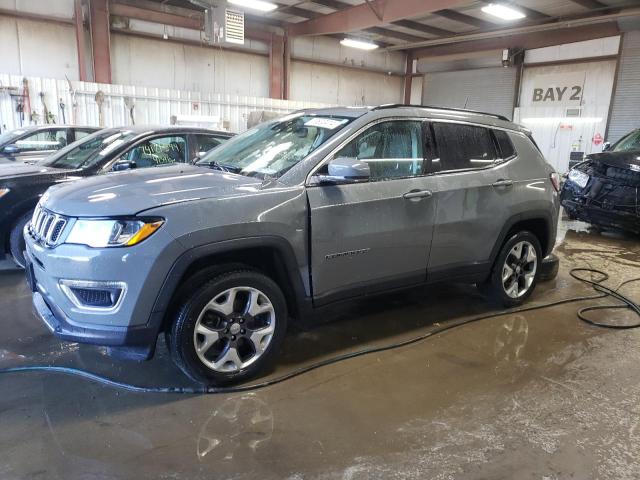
463,147
504,142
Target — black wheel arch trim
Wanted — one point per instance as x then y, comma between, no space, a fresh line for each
523,217
172,280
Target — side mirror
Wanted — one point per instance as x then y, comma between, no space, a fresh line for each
606,146
11,149
122,165
345,170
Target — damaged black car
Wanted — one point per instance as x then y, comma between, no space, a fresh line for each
604,189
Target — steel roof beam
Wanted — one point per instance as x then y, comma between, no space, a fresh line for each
372,14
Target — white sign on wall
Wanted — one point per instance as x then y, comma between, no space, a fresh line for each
565,88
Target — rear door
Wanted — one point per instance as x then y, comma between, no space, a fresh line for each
374,235
474,194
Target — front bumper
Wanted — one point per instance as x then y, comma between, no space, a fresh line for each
130,331
608,218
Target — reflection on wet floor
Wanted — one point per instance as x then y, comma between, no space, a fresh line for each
531,395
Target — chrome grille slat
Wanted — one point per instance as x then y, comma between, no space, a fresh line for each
46,227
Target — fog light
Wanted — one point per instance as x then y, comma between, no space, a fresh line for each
94,296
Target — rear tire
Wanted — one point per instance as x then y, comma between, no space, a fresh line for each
16,240
229,328
516,270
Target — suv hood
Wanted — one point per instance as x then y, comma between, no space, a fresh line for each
625,160
133,191
10,171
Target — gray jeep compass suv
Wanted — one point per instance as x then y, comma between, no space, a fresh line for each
294,214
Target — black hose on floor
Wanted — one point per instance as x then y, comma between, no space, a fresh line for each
604,291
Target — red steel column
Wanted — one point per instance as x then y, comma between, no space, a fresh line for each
276,67
100,40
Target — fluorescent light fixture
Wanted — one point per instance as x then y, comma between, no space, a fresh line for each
255,5
361,44
503,12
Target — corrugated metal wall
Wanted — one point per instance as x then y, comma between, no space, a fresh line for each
625,112
153,106
486,89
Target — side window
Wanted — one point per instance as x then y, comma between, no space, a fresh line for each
463,147
157,151
43,140
78,134
392,149
204,143
507,149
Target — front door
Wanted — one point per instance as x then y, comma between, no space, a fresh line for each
374,235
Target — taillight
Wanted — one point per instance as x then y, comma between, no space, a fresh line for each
555,181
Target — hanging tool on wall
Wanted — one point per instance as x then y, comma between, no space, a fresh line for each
48,116
74,103
130,104
26,104
62,107
99,97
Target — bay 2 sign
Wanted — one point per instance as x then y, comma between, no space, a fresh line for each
557,89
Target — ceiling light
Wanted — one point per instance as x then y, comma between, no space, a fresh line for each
503,12
255,4
361,44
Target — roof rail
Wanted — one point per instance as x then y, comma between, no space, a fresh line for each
400,105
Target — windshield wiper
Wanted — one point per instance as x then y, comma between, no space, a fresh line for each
218,166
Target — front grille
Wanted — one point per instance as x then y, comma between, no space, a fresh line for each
46,227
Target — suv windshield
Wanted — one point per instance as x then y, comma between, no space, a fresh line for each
90,150
272,148
630,143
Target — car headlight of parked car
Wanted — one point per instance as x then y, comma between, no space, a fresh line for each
3,192
579,178
113,233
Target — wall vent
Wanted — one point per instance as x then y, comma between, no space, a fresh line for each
234,26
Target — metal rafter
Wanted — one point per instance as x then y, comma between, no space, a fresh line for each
590,4
364,16
463,18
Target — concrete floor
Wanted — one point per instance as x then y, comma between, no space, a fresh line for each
538,395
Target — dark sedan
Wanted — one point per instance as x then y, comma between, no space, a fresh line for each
35,143
603,189
108,150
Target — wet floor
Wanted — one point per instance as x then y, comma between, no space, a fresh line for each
536,395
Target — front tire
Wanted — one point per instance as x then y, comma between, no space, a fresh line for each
516,270
229,329
16,240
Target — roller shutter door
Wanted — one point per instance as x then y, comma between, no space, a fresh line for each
625,113
488,90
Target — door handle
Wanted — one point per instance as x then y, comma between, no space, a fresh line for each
418,194
502,183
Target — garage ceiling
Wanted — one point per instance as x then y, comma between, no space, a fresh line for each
463,17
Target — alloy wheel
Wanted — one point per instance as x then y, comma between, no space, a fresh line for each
234,329
519,269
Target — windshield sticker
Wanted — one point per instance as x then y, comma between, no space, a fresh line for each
328,123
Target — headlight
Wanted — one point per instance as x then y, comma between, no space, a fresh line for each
579,178
4,191
112,233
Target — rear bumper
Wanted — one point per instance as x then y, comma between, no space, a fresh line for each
549,268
